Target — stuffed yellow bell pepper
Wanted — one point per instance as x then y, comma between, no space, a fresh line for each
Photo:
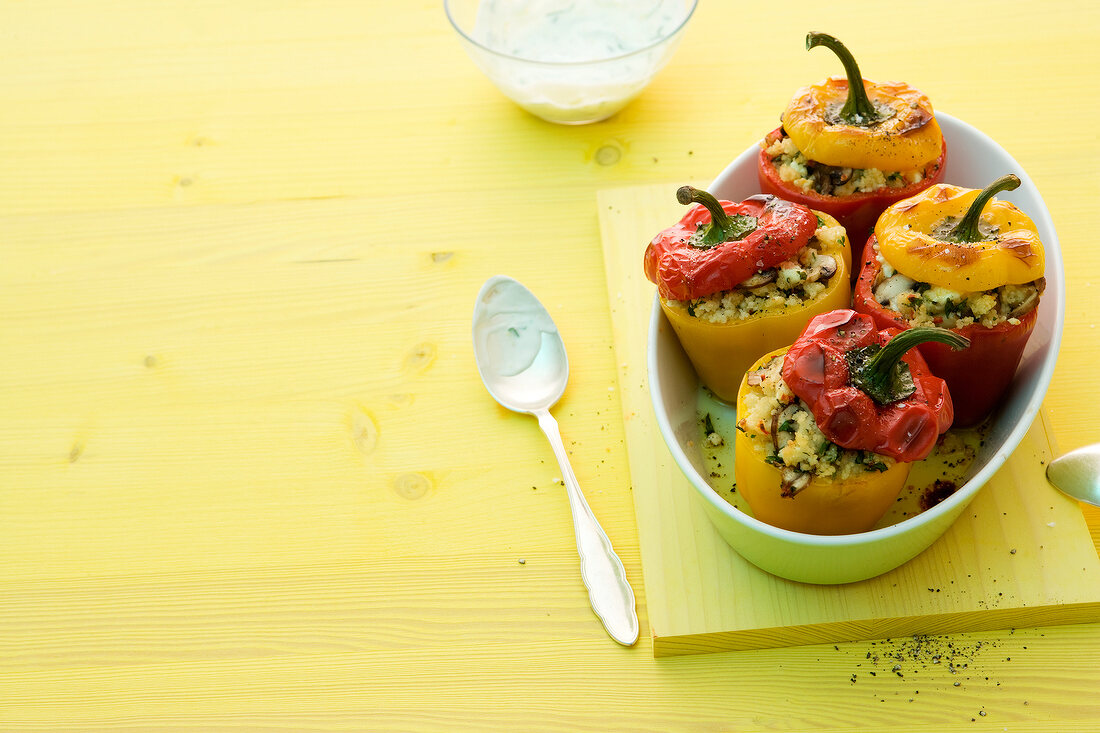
851,147
961,260
828,427
738,279
853,123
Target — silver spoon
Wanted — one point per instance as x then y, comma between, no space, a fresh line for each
522,361
1077,474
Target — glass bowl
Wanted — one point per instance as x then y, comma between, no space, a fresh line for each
570,62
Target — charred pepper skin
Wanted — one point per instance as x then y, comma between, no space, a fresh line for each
850,122
825,506
819,369
913,237
722,352
856,212
684,271
978,377
916,238
868,390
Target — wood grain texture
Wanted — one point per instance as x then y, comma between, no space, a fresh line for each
249,479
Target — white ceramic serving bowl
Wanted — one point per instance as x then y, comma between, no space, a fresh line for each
554,82
973,160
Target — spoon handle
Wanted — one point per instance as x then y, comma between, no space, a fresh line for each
601,570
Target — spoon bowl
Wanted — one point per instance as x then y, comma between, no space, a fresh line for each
1077,474
521,358
540,384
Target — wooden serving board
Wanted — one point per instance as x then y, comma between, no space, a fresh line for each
1019,556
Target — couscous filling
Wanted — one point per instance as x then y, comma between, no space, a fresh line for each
783,431
922,304
795,168
790,285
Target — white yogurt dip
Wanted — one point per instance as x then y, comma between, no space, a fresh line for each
576,61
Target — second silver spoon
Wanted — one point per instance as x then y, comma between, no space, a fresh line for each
1077,474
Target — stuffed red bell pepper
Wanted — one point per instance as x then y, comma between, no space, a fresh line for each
961,260
851,147
828,427
738,279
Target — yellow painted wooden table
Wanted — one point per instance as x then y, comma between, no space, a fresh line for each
249,478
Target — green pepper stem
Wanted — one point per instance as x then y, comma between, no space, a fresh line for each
884,376
967,228
857,109
887,358
722,227
689,195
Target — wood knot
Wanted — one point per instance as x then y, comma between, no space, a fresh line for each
420,357
364,431
401,399
609,154
412,486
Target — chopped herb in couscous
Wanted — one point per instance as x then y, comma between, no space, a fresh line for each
789,285
783,431
795,168
922,304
